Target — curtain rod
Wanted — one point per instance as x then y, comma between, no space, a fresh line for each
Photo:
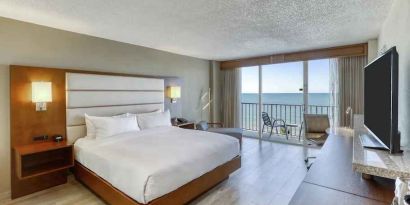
340,51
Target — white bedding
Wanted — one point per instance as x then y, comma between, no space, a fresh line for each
150,163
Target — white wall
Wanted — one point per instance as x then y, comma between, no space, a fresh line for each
372,50
29,44
4,129
396,32
216,87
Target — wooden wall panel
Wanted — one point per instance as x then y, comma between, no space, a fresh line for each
341,51
26,122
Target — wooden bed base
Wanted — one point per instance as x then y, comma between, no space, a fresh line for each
182,195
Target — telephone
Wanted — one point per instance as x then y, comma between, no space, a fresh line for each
179,120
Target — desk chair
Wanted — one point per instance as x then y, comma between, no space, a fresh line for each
315,131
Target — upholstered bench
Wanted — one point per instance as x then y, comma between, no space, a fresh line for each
233,132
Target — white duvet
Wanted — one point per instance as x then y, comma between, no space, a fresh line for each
150,163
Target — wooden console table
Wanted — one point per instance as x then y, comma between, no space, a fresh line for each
332,180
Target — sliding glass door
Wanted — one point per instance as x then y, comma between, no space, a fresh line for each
250,99
282,95
318,94
284,92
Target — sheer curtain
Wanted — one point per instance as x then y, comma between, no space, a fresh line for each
231,98
334,93
346,88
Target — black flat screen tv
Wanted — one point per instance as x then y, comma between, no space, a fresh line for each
381,99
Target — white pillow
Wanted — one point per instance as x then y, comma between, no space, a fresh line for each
154,119
90,126
89,123
109,126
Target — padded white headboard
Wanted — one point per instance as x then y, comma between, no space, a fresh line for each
108,95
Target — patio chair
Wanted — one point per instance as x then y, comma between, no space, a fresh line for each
277,123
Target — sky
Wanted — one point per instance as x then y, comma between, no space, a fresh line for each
287,77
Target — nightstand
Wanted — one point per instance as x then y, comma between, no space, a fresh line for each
186,125
42,158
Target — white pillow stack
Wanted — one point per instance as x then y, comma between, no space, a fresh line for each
154,119
102,127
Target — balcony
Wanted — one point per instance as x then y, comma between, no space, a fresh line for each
291,114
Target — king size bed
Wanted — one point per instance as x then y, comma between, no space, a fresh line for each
155,165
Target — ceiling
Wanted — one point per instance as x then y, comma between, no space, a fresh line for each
212,29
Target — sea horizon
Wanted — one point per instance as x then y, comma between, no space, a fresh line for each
321,99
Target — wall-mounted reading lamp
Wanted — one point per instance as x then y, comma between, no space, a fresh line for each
41,94
174,92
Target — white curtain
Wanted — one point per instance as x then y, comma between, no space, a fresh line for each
334,93
346,87
231,98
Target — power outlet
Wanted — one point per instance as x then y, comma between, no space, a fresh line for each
40,138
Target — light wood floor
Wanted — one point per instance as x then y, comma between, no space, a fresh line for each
270,174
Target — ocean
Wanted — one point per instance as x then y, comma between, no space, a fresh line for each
321,99
284,106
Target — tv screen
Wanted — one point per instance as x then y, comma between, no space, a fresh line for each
380,97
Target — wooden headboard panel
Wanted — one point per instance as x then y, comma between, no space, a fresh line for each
26,123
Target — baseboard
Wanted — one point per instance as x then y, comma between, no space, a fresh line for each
4,196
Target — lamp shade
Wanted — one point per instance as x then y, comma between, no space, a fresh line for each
41,92
174,92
